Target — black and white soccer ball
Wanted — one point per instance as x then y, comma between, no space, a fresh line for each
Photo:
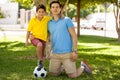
40,72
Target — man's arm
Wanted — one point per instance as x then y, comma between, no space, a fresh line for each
74,38
74,41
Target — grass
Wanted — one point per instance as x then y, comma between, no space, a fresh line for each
103,54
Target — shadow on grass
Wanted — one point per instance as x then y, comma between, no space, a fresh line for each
18,62
91,49
98,39
105,67
14,45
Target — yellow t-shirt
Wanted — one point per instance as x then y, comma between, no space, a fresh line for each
39,28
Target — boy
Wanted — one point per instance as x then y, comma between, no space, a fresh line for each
37,27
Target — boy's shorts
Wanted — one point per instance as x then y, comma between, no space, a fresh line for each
56,60
35,41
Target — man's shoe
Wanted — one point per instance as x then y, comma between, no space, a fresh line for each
86,67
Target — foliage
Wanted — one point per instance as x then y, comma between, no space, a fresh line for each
26,4
2,15
71,11
18,62
86,11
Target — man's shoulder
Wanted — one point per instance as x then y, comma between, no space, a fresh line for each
67,18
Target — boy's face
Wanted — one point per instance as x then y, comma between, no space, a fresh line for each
55,9
40,12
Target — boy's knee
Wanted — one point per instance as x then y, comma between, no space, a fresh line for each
39,44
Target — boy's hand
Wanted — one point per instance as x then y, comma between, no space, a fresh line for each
26,44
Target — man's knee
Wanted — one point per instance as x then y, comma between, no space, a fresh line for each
72,75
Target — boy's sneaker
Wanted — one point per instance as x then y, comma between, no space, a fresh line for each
86,67
40,64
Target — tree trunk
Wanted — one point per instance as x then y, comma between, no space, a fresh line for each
37,2
78,18
118,32
117,18
118,25
53,0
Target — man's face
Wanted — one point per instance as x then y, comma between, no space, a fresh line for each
55,9
40,12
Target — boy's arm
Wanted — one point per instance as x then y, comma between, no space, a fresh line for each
48,47
27,37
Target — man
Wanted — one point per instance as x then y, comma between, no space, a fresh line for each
64,45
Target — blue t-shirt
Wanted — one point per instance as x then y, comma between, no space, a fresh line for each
60,36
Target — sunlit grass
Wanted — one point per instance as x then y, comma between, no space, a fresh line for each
103,54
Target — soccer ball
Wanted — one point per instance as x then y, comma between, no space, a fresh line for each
40,72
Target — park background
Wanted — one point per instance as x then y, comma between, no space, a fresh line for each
96,27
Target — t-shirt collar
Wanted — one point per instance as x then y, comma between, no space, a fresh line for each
54,20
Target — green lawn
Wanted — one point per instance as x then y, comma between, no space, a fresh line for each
103,54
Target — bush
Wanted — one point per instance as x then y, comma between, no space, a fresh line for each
2,15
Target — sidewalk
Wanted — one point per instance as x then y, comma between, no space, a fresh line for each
108,33
16,31
11,27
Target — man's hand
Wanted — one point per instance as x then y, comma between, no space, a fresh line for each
74,56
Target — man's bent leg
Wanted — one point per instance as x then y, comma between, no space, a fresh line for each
77,73
54,67
70,68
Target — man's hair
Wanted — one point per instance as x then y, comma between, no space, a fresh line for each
55,2
41,6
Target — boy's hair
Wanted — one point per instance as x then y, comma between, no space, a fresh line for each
55,2
41,6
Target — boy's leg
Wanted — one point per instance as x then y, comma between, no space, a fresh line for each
43,49
39,46
39,54
39,50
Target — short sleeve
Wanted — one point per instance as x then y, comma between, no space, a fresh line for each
30,25
69,22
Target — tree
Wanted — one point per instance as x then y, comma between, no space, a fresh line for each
87,3
24,3
117,16
37,2
82,4
71,11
